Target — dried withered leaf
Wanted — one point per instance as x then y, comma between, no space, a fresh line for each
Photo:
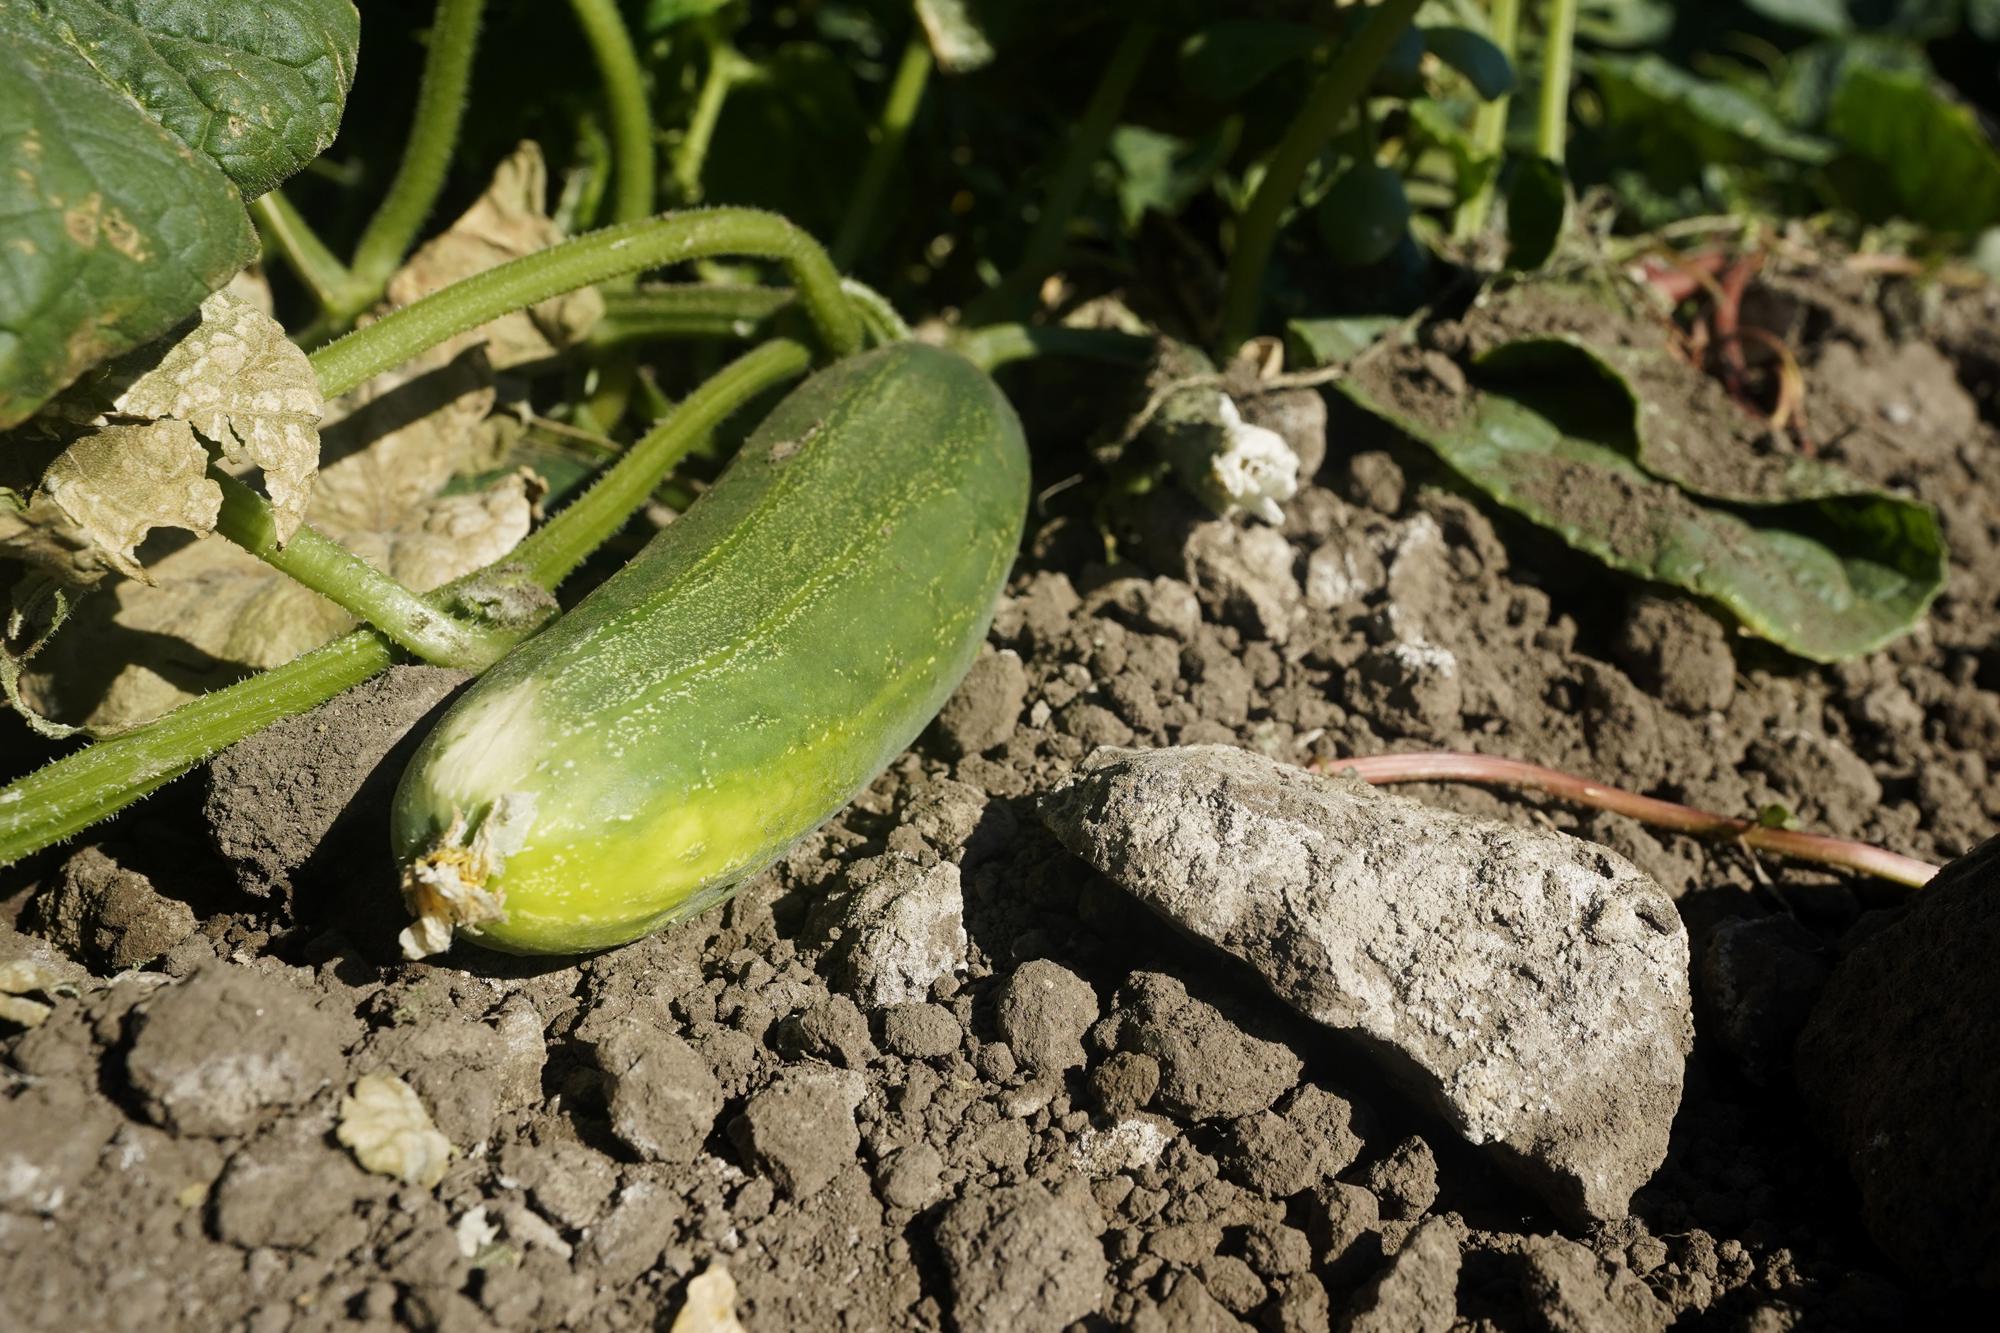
505,223
384,1123
118,483
711,1304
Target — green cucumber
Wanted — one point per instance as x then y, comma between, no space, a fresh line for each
749,672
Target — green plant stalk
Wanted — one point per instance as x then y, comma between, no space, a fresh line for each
322,564
726,68
999,345
79,789
1014,297
426,158
899,112
686,310
1332,98
1447,766
1489,124
285,232
1552,113
599,256
618,66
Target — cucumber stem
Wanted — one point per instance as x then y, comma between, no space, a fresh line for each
454,39
344,578
1552,115
77,790
598,256
285,232
1489,125
686,310
726,68
1447,766
999,345
1336,94
899,111
632,157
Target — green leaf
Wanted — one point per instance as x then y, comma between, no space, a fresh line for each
1332,340
1925,156
255,85
1225,60
1825,18
791,138
1626,24
1162,173
1592,430
957,36
1471,168
1537,210
115,228
1678,123
663,15
1364,215
1484,65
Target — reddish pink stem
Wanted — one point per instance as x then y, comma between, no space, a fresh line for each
1447,766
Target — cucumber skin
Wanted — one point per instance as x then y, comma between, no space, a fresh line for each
752,669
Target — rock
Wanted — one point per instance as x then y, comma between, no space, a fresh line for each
274,798
1375,481
903,930
1265,1152
1325,1123
221,1052
1019,1258
107,916
1571,1290
1209,1067
920,1031
1341,1215
1243,576
1530,986
1900,1064
1418,1292
1759,979
800,1130
1405,1182
1154,606
832,1030
1678,652
910,1177
1043,1012
1124,1083
983,711
662,1096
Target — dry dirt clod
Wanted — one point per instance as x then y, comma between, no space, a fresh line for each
1020,1258
107,916
1417,1292
800,1130
1530,986
1044,1011
662,1096
983,711
903,928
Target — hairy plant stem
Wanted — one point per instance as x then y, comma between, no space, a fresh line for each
1489,126
387,239
1338,91
1447,766
999,345
598,256
632,153
899,112
79,789
687,310
285,232
344,578
726,68
1552,112
1014,297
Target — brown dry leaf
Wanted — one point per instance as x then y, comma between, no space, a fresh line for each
505,223
385,1124
97,500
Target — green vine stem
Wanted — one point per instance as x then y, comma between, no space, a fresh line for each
426,158
344,578
999,345
687,310
599,256
899,112
726,68
285,232
1489,125
1015,295
1447,766
79,789
1552,113
631,111
1332,98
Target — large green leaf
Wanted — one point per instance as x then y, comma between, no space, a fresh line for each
256,85
130,131
1591,430
1920,154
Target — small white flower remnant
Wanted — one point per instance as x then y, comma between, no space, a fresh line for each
474,1232
711,1304
445,888
1253,471
384,1123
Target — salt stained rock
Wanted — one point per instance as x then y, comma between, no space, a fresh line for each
1531,986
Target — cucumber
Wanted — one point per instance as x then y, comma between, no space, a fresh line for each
736,684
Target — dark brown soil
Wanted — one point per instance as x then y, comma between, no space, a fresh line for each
1068,1114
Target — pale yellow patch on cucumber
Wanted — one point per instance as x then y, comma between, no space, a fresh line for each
490,750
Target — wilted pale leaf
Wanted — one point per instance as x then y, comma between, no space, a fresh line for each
390,1133
957,40
711,1304
505,223
118,483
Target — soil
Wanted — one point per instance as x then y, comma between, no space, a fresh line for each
931,1071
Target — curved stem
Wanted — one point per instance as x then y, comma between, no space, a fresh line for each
1448,766
79,789
285,231
725,69
906,92
351,583
609,253
1336,93
1552,113
426,158
1015,295
999,345
686,310
1489,125
631,111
